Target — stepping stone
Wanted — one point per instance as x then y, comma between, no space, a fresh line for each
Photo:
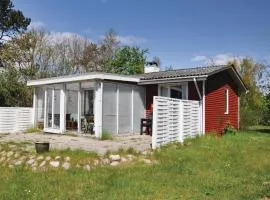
43,163
115,157
130,156
66,165
123,159
48,158
3,153
2,159
34,164
17,155
10,153
19,162
147,161
67,159
145,153
11,146
22,158
105,161
40,158
30,162
57,157
114,163
55,164
87,167
96,162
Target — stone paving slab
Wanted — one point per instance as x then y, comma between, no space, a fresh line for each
138,142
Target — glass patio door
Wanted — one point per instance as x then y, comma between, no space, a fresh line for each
53,109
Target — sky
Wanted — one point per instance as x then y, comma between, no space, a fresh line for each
182,33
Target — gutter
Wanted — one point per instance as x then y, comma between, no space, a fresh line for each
172,80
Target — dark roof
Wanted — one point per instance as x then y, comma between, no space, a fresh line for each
198,71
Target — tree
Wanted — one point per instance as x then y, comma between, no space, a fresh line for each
69,54
157,60
266,110
12,21
14,92
251,103
29,53
92,60
170,68
128,60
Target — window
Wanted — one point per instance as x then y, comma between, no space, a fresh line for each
178,91
226,97
164,91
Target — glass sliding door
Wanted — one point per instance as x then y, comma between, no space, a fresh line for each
56,121
49,108
52,109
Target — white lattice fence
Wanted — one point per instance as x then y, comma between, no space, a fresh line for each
14,119
174,120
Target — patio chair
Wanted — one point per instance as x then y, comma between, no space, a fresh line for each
147,122
88,122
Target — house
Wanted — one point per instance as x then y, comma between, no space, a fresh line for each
116,103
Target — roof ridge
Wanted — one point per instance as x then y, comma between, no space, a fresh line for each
191,68
199,67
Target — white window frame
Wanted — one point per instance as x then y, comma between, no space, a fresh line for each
227,102
172,86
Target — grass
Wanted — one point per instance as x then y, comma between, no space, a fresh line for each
229,167
106,135
32,129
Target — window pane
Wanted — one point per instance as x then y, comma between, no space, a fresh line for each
164,92
176,94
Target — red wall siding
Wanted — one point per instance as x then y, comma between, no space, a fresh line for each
215,102
151,91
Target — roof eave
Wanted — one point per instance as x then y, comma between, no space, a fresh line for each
88,77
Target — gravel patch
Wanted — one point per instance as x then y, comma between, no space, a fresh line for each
139,142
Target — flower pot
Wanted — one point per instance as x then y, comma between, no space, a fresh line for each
42,147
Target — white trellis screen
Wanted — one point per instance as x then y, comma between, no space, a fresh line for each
174,120
14,119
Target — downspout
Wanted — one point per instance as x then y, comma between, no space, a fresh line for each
202,100
197,88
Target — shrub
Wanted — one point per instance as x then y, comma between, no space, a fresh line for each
229,129
106,135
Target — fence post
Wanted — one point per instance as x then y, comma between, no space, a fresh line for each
180,118
154,124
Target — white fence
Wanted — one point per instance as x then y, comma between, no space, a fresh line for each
14,119
174,120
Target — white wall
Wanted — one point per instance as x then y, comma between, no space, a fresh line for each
123,107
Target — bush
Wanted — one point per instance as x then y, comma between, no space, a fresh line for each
229,129
106,135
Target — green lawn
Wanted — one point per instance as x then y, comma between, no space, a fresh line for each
230,167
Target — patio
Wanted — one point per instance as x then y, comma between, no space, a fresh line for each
138,142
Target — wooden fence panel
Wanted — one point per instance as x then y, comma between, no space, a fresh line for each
13,119
174,120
